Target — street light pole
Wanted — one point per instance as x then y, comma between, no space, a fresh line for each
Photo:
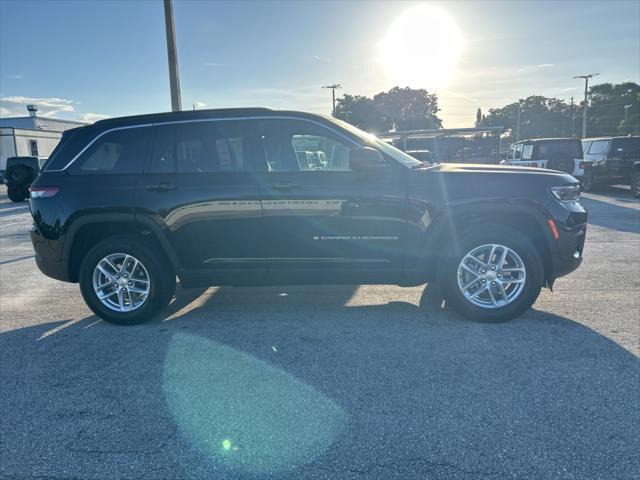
172,54
585,106
333,96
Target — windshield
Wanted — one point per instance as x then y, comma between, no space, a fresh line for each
404,158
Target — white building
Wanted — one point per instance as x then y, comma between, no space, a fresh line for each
31,136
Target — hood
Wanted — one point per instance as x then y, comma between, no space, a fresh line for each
476,167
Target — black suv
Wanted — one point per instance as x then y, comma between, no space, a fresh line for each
612,160
263,197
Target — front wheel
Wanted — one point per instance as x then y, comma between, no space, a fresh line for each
635,184
495,275
125,281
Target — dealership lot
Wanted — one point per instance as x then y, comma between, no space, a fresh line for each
325,382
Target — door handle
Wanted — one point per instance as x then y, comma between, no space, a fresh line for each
161,187
284,186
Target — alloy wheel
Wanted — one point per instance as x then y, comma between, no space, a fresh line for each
491,276
121,282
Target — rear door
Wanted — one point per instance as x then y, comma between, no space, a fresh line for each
199,187
622,155
322,221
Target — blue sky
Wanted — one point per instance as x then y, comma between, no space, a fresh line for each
85,60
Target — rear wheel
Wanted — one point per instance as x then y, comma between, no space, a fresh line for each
495,275
635,184
17,193
125,280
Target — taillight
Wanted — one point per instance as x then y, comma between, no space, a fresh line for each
43,192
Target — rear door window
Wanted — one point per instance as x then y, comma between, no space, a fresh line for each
201,147
117,152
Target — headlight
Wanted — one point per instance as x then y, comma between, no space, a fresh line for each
570,193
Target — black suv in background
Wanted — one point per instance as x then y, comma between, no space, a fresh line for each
612,160
262,197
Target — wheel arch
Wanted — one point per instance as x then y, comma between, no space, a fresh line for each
86,232
451,226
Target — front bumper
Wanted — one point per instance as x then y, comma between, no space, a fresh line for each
570,221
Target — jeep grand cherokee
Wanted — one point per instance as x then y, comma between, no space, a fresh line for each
263,197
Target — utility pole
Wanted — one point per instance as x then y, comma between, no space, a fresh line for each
518,124
333,96
172,54
573,119
586,105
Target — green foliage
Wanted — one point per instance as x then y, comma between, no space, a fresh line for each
551,117
606,109
397,109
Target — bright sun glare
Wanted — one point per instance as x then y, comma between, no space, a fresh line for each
422,47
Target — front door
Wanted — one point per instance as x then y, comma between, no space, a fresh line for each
321,221
200,188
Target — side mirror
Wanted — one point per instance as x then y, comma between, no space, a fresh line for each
366,159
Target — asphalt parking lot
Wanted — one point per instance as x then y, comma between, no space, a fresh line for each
325,382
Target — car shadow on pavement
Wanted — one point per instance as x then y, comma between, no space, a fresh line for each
393,391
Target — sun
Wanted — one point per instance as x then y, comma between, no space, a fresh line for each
422,47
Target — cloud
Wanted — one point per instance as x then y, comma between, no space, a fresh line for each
321,59
214,64
15,106
546,65
15,77
90,117
569,89
47,107
198,104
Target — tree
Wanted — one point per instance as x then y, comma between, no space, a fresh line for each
539,117
606,109
397,109
409,109
362,112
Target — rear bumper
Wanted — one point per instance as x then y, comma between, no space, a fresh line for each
48,257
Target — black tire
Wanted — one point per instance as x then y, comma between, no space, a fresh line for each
492,234
17,193
635,184
162,278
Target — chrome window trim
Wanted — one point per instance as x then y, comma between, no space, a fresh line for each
200,120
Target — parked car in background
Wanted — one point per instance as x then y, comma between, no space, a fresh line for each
562,154
20,172
610,161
